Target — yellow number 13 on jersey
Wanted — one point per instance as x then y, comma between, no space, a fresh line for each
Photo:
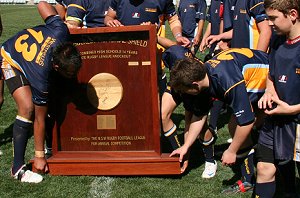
28,52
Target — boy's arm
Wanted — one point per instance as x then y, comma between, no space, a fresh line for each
207,32
176,29
240,135
215,38
195,128
197,38
266,100
110,19
265,33
165,42
282,108
39,138
46,10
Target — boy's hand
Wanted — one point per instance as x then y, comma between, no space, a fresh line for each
114,23
211,39
228,158
40,164
181,152
183,41
265,101
281,108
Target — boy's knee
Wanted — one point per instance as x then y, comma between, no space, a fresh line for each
26,111
265,172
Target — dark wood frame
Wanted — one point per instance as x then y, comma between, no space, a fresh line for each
128,162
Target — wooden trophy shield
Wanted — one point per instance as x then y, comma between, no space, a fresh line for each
107,120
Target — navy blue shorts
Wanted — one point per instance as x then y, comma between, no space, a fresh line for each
19,80
15,79
279,134
264,154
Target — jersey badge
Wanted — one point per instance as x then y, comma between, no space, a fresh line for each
136,15
282,78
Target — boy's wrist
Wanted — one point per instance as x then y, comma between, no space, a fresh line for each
178,35
40,154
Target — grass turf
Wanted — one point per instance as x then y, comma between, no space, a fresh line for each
190,184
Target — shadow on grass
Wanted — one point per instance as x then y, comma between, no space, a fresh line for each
6,136
196,158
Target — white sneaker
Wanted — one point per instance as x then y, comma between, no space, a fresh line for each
25,175
229,140
48,152
210,170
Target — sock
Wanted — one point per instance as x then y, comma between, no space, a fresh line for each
247,168
288,176
20,137
208,150
171,135
265,190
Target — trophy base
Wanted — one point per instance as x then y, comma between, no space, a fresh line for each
112,164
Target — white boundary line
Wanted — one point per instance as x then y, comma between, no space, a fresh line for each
101,187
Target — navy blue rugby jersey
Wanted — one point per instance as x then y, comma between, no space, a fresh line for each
30,52
285,70
190,12
174,53
199,104
136,12
247,14
229,6
90,13
213,16
64,3
238,77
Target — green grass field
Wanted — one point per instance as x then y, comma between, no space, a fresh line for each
190,184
